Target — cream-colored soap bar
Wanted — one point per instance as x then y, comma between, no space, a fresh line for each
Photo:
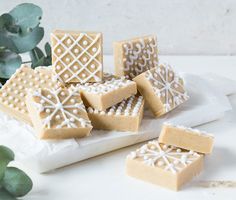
113,90
58,114
13,93
77,56
125,116
162,89
187,138
135,56
164,165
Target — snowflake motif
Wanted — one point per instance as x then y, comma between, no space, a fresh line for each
167,157
62,107
168,86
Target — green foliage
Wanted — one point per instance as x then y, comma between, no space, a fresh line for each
27,16
19,33
38,58
10,59
13,181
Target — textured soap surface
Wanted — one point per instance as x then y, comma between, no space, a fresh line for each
77,56
162,88
108,93
58,113
164,165
124,116
135,56
13,93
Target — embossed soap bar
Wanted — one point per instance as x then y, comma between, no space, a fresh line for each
164,165
187,138
13,93
111,91
125,116
135,56
162,88
58,114
77,56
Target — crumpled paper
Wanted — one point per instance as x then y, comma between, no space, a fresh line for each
208,102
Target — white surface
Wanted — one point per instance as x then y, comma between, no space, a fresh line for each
103,177
42,156
182,26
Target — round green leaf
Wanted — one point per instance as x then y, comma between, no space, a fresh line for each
6,156
27,16
48,49
9,62
16,182
4,195
36,56
6,41
28,42
6,20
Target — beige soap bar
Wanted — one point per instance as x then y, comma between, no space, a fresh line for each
125,116
13,93
164,165
113,90
58,114
77,56
187,138
135,56
162,89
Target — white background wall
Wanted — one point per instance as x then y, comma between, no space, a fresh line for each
205,27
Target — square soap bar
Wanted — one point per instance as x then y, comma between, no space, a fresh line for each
58,114
164,165
113,90
135,56
14,91
77,56
187,138
162,89
125,116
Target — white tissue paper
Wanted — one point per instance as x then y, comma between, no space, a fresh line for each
208,102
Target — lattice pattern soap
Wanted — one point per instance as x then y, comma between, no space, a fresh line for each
111,91
187,138
77,56
58,114
135,56
125,116
164,165
13,93
162,88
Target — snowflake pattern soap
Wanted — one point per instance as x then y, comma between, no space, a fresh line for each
164,165
187,138
77,56
58,114
135,56
124,116
111,91
162,88
14,91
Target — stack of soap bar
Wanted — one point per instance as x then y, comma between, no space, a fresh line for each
58,114
125,116
187,138
13,93
135,56
164,165
162,89
113,90
77,56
